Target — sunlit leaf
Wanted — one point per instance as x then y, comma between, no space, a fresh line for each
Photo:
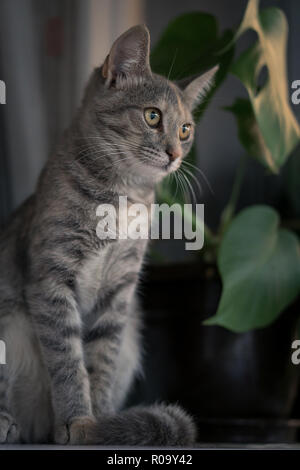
278,126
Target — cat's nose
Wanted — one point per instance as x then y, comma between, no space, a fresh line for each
173,153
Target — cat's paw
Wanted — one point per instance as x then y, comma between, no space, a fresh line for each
78,432
83,430
9,430
61,434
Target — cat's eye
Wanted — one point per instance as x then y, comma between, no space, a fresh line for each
152,116
184,131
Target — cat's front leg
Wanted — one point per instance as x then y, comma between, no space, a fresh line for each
58,326
9,430
103,344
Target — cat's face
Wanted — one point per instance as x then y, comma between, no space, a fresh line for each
150,123
144,120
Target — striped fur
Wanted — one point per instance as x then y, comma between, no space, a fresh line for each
68,307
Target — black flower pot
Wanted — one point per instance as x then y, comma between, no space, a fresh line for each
239,387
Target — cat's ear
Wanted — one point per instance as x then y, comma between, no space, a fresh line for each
196,89
129,57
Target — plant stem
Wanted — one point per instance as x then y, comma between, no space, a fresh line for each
230,207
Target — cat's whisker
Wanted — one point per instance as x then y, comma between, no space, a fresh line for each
174,176
182,184
194,167
194,198
189,187
194,179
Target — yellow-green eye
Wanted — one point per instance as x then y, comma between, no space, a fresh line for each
152,116
184,131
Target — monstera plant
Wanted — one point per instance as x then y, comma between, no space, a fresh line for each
258,259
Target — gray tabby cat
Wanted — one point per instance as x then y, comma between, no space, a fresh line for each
68,310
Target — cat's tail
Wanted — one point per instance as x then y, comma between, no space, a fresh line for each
156,425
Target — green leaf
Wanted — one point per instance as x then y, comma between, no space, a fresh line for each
248,130
259,264
190,45
278,126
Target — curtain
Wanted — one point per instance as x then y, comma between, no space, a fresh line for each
47,51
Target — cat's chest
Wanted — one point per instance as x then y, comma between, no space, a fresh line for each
105,268
121,254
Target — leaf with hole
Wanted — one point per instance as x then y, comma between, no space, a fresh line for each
278,128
